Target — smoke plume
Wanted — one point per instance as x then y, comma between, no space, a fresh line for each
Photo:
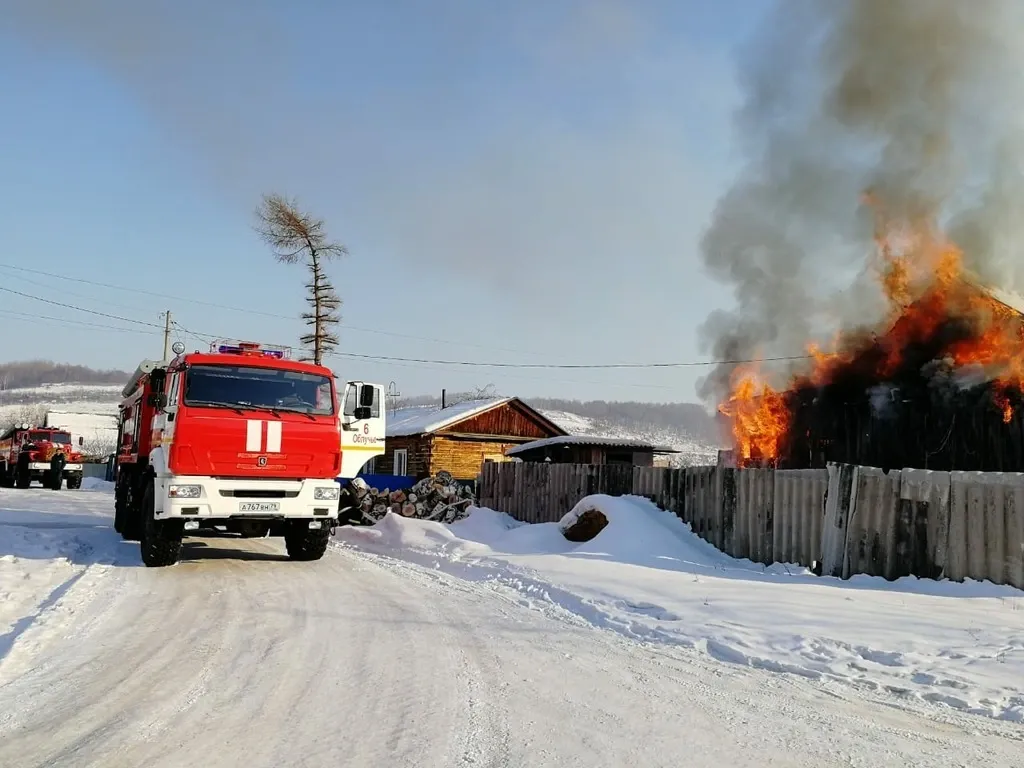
914,105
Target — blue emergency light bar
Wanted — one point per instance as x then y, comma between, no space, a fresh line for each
250,348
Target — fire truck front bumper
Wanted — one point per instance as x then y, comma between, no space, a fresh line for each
44,466
212,499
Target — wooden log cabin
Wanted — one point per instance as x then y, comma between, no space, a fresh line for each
459,438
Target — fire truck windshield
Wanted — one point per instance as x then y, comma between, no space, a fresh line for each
50,437
241,386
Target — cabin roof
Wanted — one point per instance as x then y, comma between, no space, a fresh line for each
585,440
425,419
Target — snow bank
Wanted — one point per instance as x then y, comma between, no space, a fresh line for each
647,576
96,484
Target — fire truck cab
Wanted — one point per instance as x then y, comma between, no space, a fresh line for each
240,439
44,454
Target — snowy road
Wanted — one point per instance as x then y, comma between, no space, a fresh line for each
239,657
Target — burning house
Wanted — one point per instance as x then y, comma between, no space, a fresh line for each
911,110
940,387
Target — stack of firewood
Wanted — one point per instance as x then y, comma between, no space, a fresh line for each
438,498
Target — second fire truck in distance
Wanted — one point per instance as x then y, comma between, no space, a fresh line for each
44,454
242,439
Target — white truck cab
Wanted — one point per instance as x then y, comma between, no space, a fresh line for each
363,426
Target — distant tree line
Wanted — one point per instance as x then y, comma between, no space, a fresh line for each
34,373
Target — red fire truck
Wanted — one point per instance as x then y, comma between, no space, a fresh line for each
45,454
241,439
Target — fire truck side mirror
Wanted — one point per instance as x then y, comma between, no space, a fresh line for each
366,396
81,441
157,381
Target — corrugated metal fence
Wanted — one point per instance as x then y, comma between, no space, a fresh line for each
849,519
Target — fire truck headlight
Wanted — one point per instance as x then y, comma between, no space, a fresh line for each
327,494
184,491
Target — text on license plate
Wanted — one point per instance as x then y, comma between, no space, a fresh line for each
259,506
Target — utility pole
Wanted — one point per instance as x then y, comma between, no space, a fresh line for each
393,394
167,334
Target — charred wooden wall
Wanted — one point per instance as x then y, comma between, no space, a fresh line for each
923,427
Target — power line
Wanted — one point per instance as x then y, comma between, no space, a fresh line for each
65,292
250,311
80,309
205,338
29,316
573,366
556,366
434,361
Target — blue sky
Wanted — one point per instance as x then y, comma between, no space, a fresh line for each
516,182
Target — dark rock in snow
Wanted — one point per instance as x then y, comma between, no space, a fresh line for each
586,526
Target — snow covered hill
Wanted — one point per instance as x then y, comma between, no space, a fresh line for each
31,403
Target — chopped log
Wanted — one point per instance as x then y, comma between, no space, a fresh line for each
438,498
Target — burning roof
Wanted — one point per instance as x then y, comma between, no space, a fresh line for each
912,107
945,334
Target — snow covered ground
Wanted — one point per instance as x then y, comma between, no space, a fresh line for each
648,577
412,644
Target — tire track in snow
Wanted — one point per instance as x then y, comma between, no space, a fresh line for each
196,656
238,657
22,625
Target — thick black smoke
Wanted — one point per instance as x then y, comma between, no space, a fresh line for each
914,102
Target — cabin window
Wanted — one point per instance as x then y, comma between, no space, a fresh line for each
401,462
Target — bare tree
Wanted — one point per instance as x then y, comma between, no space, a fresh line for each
98,445
25,414
298,237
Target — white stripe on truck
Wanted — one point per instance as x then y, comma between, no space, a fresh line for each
253,435
273,437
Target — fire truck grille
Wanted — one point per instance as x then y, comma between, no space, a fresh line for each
259,493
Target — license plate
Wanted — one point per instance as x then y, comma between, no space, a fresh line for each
259,506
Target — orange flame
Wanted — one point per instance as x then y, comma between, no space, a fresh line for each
922,277
759,417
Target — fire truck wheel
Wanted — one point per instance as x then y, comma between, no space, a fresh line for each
6,476
304,544
120,504
161,539
131,516
74,482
